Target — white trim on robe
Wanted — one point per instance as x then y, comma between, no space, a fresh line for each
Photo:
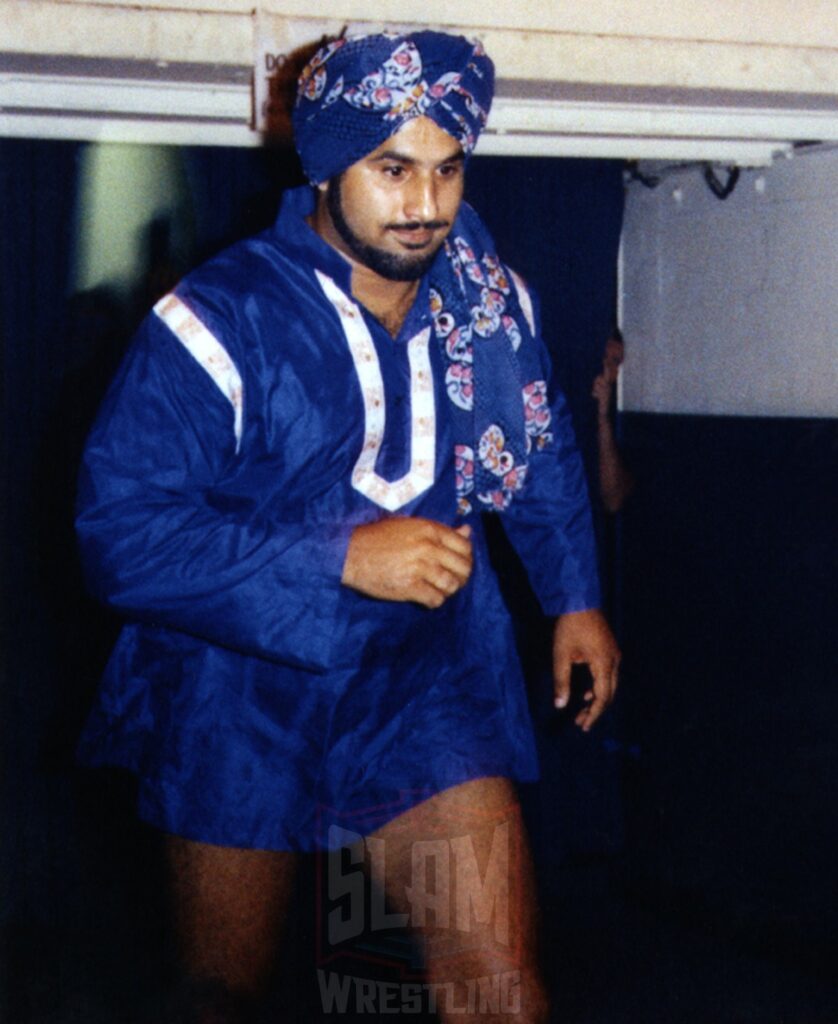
388,494
208,351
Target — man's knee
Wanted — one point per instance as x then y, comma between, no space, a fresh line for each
535,1002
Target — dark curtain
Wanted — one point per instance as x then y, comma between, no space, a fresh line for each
235,192
37,186
37,202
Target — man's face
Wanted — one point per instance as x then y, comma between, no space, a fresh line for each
612,359
392,210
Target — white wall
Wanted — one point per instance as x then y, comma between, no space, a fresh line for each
787,46
731,307
668,79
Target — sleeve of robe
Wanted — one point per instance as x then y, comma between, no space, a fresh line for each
549,523
159,548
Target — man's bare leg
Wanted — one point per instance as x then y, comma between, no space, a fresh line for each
477,934
228,906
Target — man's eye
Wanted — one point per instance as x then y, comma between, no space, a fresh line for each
394,171
450,170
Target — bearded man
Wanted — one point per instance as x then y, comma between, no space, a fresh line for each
284,493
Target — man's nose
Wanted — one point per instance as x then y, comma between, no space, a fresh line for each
421,199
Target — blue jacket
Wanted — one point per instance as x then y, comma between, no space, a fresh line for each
257,698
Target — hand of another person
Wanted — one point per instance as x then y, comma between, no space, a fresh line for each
585,638
408,559
601,391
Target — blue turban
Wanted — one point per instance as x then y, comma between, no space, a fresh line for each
357,92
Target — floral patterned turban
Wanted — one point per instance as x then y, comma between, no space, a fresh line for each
357,92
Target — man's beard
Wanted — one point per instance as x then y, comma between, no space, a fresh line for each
392,266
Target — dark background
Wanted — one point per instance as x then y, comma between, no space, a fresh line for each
713,898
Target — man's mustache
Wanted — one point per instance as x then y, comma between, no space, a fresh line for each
417,225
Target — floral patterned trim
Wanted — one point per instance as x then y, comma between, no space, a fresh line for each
208,351
499,461
388,494
537,415
312,81
464,477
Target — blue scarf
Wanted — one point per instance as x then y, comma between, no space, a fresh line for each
500,402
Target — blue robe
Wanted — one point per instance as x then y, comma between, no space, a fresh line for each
259,416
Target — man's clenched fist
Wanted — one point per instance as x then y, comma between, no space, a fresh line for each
408,559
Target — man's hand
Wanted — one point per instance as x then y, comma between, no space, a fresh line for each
585,638
408,559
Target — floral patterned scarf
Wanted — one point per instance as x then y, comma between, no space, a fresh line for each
500,400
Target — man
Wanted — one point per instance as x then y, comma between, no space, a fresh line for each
282,493
615,481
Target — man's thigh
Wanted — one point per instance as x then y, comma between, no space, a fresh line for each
458,866
228,905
